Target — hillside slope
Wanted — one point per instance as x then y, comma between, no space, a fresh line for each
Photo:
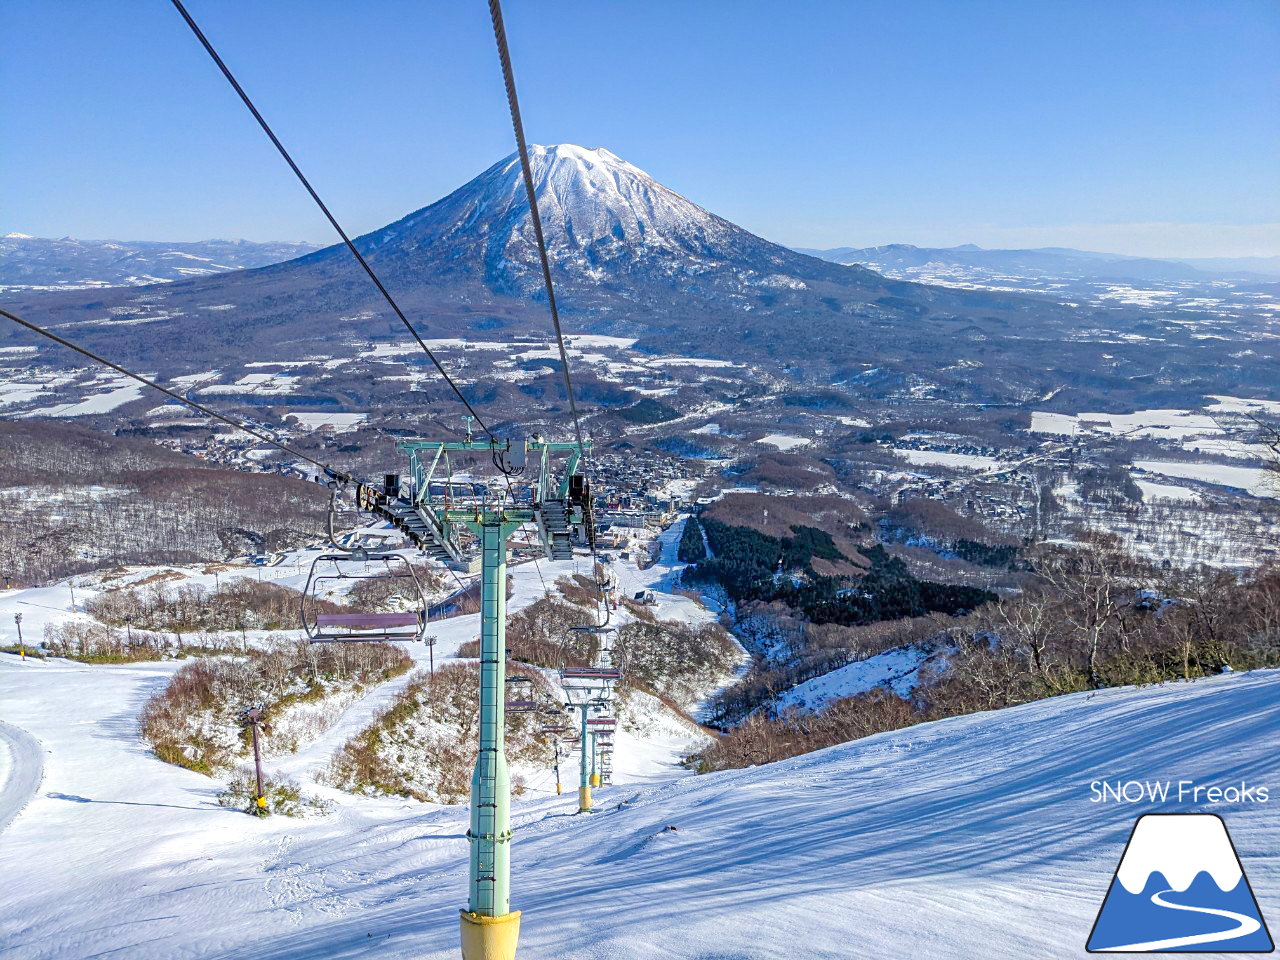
918,843
67,263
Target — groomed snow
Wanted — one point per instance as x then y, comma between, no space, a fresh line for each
920,843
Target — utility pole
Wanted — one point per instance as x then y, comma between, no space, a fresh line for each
252,719
555,747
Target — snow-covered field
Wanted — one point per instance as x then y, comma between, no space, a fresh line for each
1251,479
783,441
920,843
897,670
941,458
340,422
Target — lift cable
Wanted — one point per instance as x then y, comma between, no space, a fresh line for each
517,124
232,421
508,77
386,294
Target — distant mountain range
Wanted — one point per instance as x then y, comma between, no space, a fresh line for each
68,263
632,258
1057,262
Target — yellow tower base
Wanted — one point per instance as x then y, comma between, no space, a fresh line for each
595,779
558,791
490,938
584,799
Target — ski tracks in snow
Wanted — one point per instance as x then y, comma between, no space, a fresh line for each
26,770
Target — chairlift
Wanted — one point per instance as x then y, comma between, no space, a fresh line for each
594,674
522,689
362,627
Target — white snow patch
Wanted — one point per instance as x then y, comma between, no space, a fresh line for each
783,441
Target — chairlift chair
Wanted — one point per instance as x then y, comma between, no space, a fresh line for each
522,689
596,674
362,627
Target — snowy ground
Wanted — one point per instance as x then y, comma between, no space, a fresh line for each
915,844
897,670
911,844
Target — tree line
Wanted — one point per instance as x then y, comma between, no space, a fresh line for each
1092,617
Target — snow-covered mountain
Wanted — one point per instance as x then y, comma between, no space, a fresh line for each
1179,848
68,263
633,258
612,231
599,212
630,257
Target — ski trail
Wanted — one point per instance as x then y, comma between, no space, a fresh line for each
312,759
1247,926
26,770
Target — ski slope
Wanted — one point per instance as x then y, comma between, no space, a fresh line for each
913,844
918,844
21,769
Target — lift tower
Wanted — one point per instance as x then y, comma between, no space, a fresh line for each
589,690
436,506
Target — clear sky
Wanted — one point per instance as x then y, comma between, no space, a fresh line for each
1138,126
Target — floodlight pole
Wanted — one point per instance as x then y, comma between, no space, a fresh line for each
252,718
260,799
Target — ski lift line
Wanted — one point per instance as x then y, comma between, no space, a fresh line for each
231,421
509,80
386,294
517,125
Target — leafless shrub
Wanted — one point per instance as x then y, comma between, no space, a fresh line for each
194,721
240,604
424,745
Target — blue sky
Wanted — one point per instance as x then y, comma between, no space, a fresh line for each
1140,127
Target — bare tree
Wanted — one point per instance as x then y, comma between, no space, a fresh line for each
1270,436
1094,582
